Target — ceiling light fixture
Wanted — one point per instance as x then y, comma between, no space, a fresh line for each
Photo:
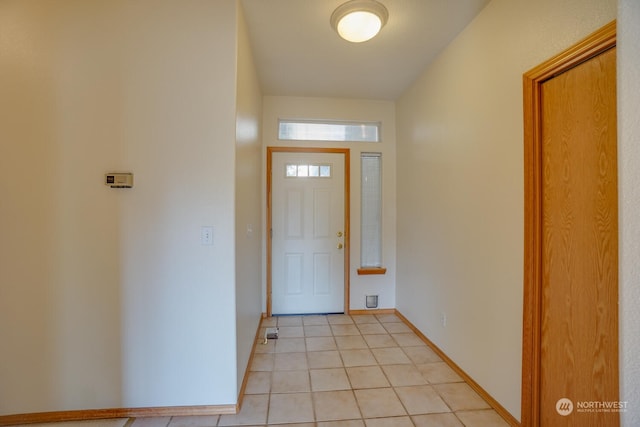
359,20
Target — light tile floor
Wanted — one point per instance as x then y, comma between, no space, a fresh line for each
342,371
354,371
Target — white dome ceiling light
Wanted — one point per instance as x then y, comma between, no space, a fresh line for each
359,20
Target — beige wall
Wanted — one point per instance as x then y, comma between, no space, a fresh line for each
248,188
276,107
629,170
460,184
107,297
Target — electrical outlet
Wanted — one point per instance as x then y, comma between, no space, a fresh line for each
206,235
443,320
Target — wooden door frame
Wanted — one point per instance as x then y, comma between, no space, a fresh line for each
347,197
593,45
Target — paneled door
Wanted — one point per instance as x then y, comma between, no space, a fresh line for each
307,232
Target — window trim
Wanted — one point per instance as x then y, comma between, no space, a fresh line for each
364,271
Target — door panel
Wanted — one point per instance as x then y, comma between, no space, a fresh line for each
322,273
579,234
294,211
321,213
293,267
307,213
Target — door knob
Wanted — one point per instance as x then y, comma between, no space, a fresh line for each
339,245
339,233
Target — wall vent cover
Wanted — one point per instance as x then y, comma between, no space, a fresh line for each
372,301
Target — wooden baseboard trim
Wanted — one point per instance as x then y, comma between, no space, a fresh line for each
245,379
96,414
474,385
372,311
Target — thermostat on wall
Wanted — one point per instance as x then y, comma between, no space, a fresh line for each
119,180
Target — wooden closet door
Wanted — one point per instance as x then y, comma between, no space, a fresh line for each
579,250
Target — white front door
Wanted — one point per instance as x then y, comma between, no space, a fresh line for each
307,233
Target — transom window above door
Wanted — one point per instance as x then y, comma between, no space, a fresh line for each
317,130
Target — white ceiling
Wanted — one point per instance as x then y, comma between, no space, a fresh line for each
297,53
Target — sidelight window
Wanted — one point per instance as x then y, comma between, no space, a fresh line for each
371,214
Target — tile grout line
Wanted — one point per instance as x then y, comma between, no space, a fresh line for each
306,358
352,389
